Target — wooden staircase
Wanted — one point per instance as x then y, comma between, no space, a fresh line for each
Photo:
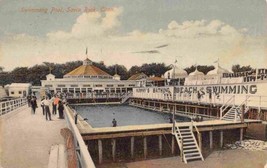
125,97
234,113
187,143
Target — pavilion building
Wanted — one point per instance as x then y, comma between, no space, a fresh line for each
87,78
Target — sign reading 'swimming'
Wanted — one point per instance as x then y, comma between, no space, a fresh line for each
218,89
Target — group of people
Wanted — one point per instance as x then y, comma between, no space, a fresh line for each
57,105
46,102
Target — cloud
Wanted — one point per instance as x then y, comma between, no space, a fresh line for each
196,29
148,51
162,46
91,24
189,41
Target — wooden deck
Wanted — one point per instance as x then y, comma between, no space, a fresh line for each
26,139
88,132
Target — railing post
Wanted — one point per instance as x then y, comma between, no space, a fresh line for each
173,120
220,113
242,113
235,115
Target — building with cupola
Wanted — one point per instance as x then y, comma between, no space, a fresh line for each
175,76
215,76
85,79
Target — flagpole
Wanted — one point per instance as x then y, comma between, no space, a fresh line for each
256,75
86,52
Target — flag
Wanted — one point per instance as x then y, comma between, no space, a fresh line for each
216,61
175,61
86,51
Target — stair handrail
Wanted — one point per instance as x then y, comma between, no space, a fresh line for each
173,127
229,110
194,125
126,96
240,105
179,132
245,102
182,150
226,105
179,141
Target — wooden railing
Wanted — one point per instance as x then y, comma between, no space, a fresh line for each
179,141
10,105
224,107
194,126
83,156
95,96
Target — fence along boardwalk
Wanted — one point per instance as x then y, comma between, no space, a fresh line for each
26,139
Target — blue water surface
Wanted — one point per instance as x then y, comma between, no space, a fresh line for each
102,115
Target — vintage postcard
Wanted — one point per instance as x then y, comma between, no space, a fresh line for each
143,83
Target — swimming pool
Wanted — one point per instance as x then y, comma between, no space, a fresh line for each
102,115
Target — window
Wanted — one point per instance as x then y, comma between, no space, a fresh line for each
98,85
132,85
120,85
71,90
61,85
109,85
20,92
86,85
83,89
77,90
48,85
12,92
73,85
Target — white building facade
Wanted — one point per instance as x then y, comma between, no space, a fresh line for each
19,89
87,79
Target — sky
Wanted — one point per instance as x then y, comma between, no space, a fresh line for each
133,32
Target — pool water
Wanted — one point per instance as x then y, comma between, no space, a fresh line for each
102,115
